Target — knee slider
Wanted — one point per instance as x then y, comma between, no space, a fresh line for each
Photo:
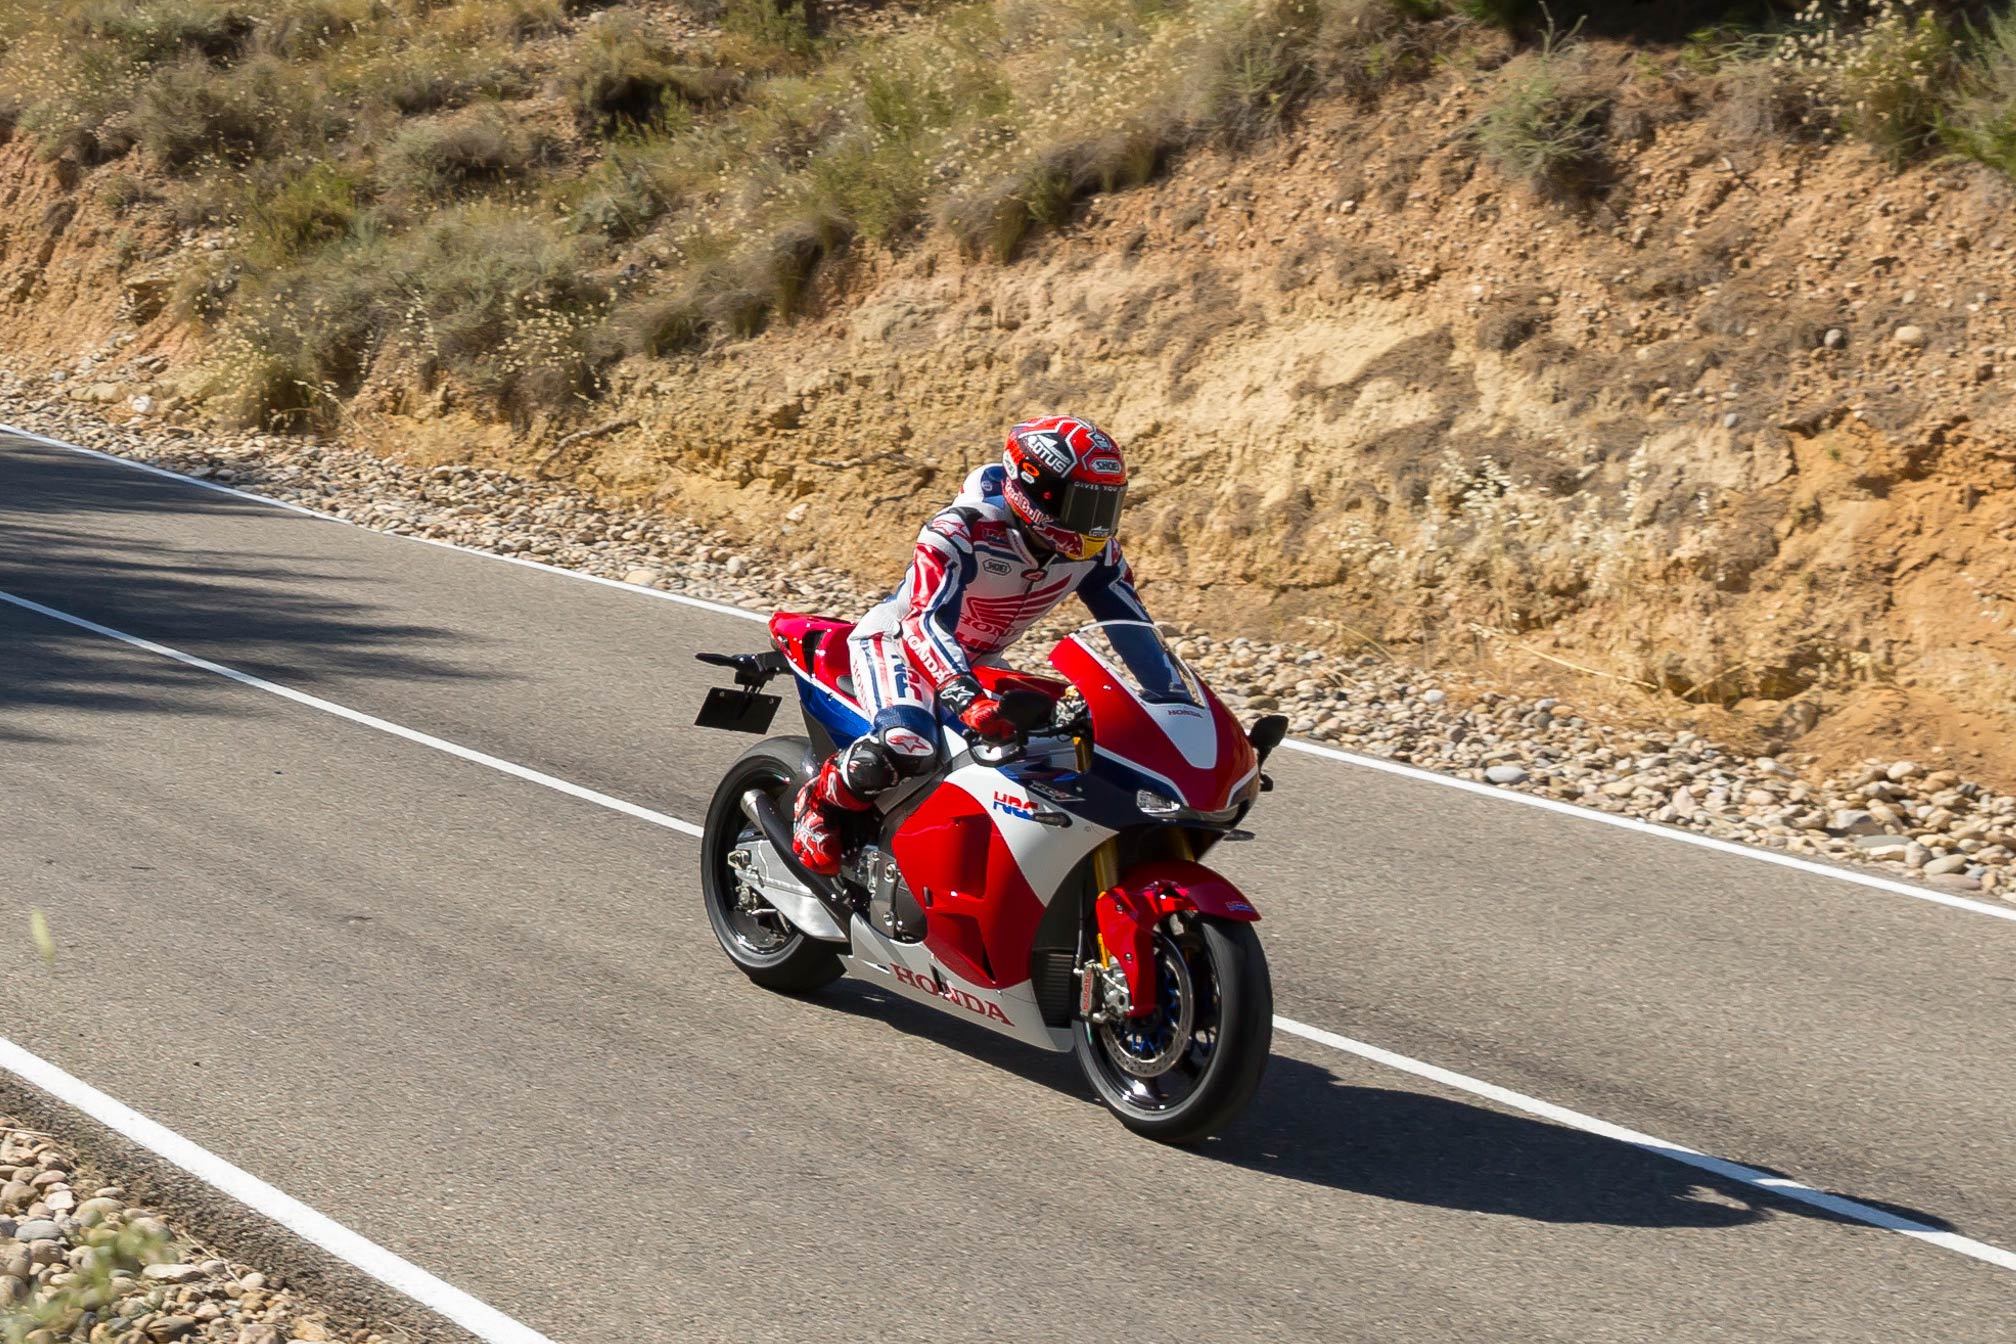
909,739
867,768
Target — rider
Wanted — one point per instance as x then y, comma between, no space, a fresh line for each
1021,537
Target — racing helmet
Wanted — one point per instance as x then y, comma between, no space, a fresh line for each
1066,482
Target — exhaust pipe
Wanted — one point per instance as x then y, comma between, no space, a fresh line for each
757,806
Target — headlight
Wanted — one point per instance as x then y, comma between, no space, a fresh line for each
1156,804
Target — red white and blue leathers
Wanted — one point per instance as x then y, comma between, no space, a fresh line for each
973,588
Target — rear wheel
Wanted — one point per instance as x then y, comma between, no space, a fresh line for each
1182,1072
764,945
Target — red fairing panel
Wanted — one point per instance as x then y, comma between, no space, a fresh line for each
996,680
829,661
981,914
1147,894
1124,727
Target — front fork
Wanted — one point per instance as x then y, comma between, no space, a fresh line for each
1120,981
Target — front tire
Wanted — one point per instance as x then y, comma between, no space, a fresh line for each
764,945
1184,1072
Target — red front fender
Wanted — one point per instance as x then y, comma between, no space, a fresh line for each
1127,915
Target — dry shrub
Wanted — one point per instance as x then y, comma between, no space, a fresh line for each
493,297
1881,71
190,113
622,74
436,159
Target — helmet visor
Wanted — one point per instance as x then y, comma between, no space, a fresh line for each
1093,510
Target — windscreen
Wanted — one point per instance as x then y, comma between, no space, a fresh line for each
1136,652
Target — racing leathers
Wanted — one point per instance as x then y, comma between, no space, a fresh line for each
974,585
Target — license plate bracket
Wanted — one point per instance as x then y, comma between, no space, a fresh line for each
737,711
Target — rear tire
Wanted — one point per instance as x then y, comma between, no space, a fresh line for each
1231,1025
766,948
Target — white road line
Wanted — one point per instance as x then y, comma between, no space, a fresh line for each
477,1317
1761,855
1761,1181
718,608
1810,867
531,776
1758,1180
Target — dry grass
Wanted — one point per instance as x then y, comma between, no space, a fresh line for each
513,193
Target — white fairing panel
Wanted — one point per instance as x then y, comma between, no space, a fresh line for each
1190,730
909,969
1046,854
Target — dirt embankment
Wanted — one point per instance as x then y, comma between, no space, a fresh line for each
1737,439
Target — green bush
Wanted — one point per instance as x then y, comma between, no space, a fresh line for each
312,210
1982,124
1546,130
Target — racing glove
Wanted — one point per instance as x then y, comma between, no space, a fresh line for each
979,711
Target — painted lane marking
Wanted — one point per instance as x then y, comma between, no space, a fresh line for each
455,749
1764,1182
1754,1178
718,608
477,1317
1811,867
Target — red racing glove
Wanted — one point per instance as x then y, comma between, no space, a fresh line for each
979,711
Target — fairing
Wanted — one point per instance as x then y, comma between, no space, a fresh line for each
1152,717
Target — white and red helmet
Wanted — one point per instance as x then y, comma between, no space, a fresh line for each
1066,482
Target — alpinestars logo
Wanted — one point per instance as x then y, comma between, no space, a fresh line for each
972,1003
906,743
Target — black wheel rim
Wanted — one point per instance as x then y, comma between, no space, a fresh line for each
1142,1042
761,934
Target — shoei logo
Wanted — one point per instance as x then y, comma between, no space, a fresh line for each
1014,807
972,1003
997,566
1105,466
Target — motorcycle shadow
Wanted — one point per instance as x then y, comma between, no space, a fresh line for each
1310,1125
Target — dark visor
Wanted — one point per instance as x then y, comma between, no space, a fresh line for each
1089,508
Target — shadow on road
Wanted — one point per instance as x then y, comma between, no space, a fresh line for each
1309,1125
65,542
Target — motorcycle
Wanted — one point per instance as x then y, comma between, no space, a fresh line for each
1048,887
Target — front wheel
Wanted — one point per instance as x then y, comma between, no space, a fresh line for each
764,945
1182,1072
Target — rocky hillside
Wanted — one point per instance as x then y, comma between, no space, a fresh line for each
1605,359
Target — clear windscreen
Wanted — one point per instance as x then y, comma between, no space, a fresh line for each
1138,654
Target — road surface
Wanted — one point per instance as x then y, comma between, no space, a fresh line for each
483,1023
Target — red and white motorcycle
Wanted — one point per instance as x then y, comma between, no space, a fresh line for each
1047,888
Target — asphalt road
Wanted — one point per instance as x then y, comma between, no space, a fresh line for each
484,1024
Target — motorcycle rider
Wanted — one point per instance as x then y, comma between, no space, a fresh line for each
1023,535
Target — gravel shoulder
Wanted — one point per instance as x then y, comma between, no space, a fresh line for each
91,1257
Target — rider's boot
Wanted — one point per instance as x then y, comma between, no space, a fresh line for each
815,834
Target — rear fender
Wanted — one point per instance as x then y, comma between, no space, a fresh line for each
1147,894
